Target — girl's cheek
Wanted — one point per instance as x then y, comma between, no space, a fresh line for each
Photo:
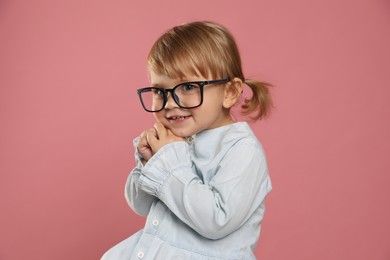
159,118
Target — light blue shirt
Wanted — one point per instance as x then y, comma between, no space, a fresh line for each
204,198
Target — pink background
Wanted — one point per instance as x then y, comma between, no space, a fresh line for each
69,112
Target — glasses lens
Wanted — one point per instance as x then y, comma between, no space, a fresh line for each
188,95
152,99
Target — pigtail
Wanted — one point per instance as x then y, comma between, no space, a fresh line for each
260,101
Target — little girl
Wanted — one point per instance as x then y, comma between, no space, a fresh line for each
201,178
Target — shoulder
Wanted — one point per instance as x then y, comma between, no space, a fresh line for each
216,143
240,140
240,134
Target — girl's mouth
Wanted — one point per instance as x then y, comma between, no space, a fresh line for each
178,118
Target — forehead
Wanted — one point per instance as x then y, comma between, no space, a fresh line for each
179,66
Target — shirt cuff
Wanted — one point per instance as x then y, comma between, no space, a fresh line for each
137,155
160,167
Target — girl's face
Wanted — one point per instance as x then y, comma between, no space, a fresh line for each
182,122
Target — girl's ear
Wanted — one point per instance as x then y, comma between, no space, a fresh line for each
233,90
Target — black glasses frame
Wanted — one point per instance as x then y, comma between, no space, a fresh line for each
165,92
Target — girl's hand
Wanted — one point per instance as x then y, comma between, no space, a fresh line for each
161,137
143,146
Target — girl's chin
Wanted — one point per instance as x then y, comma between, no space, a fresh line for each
177,130
181,133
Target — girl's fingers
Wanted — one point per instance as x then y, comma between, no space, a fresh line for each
142,139
160,129
143,147
152,141
158,136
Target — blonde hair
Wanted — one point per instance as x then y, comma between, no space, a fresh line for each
207,49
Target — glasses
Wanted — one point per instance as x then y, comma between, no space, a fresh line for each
186,95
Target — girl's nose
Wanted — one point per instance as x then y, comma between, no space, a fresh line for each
171,103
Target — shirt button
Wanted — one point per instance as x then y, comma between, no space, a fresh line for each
140,254
155,222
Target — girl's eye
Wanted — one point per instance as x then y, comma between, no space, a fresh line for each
158,92
189,87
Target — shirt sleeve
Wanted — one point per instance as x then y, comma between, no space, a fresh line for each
138,200
217,209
